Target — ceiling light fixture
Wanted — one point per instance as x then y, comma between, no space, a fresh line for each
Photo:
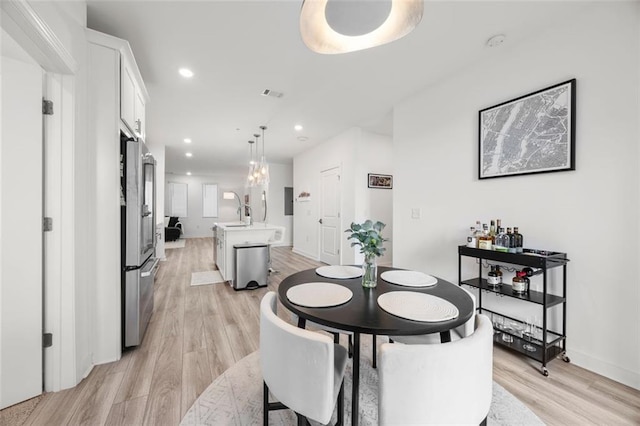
185,72
297,127
496,40
341,26
250,178
187,140
263,166
188,154
188,173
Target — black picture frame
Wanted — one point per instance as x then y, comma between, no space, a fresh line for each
375,180
531,134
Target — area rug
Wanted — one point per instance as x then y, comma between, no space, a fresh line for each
206,277
168,245
235,398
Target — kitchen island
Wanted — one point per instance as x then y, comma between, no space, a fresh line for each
228,234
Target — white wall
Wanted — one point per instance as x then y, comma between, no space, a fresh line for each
591,213
356,153
374,154
194,225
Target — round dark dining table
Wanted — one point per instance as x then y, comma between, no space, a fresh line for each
362,315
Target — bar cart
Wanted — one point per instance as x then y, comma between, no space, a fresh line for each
552,342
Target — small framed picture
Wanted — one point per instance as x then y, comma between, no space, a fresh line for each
380,181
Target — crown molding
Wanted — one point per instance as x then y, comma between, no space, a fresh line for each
36,37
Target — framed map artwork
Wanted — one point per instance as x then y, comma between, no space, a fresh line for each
534,133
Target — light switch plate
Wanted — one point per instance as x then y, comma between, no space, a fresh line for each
415,213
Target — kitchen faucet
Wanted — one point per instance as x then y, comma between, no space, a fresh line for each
250,212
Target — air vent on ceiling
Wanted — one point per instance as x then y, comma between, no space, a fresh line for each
272,93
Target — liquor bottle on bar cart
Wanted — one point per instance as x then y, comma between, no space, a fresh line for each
512,241
471,238
520,283
519,240
493,280
502,241
484,241
492,232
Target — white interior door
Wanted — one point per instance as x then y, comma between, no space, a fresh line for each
20,231
330,230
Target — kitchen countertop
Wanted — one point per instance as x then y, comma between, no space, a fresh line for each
240,226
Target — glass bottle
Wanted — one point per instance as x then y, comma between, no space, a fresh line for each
502,241
484,242
512,242
492,278
519,284
499,272
471,238
519,239
478,233
532,271
492,232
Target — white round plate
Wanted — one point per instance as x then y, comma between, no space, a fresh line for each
339,272
319,295
417,306
409,278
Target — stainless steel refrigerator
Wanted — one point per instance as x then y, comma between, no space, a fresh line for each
139,265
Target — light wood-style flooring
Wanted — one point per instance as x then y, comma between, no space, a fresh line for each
196,333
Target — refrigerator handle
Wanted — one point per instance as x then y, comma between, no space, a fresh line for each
151,270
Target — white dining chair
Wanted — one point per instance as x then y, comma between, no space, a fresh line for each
448,383
457,333
302,369
336,337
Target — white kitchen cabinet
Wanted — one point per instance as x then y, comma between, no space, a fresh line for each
105,90
132,98
221,253
139,115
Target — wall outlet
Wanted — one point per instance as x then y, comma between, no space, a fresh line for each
415,213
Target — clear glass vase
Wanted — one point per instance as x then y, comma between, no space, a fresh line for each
369,271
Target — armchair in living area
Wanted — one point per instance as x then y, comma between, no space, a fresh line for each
172,228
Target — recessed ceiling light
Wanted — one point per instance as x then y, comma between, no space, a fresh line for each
187,140
298,127
188,173
303,138
188,154
185,72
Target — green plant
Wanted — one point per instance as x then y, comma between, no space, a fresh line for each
368,236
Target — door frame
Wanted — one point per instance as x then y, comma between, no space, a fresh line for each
35,36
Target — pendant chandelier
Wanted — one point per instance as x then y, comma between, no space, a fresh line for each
252,164
262,166
258,169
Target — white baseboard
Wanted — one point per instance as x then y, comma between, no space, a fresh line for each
304,253
604,368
